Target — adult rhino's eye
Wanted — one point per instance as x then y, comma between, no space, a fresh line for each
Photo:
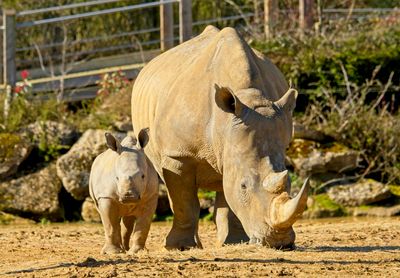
117,178
243,186
142,176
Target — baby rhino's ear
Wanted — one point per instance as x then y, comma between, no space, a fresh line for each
143,138
113,143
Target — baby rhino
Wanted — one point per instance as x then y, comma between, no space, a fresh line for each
124,187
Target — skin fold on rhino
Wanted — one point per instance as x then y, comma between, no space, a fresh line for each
220,118
124,186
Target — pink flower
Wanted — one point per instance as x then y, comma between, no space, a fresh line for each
24,74
18,89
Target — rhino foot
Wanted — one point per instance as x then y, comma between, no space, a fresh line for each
109,249
180,244
135,249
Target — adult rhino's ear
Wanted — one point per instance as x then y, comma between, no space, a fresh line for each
288,101
113,143
227,101
143,138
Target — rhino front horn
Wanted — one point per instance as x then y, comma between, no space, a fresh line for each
286,211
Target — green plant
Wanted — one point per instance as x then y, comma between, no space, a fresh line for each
112,83
368,127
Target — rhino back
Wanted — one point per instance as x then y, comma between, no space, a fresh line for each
174,94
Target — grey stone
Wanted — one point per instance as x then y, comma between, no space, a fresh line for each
363,192
302,132
376,211
73,168
14,149
309,157
34,195
51,133
89,211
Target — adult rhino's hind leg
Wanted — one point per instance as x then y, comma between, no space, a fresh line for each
229,228
182,193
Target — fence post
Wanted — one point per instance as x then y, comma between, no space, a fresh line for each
166,26
271,10
9,47
306,14
9,66
185,20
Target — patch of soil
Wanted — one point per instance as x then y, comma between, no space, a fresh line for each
333,247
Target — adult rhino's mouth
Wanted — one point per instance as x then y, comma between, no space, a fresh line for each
129,199
284,244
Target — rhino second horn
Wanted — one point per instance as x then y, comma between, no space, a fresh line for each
286,213
276,182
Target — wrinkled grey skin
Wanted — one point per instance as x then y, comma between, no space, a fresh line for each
220,118
124,187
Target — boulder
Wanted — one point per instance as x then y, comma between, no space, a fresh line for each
321,205
51,133
123,125
73,168
309,157
89,211
376,211
302,132
34,196
363,192
14,149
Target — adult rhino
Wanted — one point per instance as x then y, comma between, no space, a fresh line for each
220,118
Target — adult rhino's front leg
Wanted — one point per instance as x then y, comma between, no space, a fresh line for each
182,193
109,214
229,228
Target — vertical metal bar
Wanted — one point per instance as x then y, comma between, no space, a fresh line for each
270,17
9,47
185,20
166,26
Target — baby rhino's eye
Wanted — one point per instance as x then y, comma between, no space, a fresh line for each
142,176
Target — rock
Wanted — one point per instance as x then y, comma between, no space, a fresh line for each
6,218
376,211
302,132
51,133
124,125
89,211
34,196
363,192
206,204
308,157
163,207
320,205
73,168
14,149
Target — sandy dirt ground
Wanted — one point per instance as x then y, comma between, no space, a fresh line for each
334,247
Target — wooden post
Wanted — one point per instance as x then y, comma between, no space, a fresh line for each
185,20
271,11
1,43
9,48
306,14
166,26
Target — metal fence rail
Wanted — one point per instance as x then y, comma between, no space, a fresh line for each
95,13
13,21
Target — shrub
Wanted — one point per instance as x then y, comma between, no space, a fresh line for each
368,127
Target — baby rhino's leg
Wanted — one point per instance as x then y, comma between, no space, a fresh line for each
127,227
109,213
